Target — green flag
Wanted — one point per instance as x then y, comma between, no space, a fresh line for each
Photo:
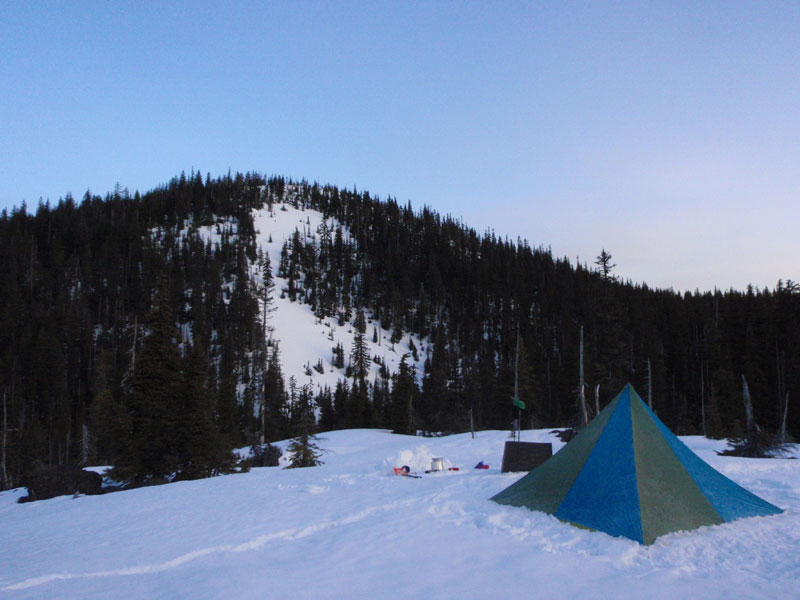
519,403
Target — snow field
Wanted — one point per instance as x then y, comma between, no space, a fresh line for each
303,338
351,529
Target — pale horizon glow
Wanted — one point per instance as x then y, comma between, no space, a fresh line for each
667,134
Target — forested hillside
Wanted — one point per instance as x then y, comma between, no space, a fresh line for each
129,336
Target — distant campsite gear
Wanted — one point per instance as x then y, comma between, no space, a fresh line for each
405,471
480,465
628,475
437,464
524,456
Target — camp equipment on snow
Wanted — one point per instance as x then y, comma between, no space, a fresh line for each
437,464
628,475
405,471
524,456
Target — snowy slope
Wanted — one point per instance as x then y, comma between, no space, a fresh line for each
303,338
350,529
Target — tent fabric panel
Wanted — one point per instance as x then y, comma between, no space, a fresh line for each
669,498
604,496
545,487
728,498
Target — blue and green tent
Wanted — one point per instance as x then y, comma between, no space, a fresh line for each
626,474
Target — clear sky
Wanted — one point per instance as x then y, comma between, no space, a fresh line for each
667,133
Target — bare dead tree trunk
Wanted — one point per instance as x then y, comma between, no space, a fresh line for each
84,445
263,414
516,387
703,398
3,472
133,346
779,368
597,398
580,366
584,409
783,421
752,426
581,395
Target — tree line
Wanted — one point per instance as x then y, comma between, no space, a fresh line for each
127,338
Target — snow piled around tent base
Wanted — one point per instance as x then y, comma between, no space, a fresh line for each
351,529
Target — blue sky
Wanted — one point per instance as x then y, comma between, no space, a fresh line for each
667,133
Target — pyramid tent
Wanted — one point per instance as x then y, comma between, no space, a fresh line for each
628,475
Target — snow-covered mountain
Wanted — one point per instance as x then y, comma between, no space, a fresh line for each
85,282
351,529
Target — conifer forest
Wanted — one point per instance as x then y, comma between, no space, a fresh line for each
128,340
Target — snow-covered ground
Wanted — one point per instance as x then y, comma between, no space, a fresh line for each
351,529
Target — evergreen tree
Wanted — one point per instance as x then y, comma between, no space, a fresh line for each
266,289
109,423
327,415
274,419
154,398
204,451
303,448
404,391
604,264
357,401
227,407
338,356
439,411
341,401
359,355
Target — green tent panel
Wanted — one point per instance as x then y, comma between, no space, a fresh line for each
626,474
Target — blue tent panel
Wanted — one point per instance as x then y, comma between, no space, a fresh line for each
604,495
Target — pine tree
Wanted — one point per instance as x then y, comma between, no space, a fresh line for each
274,421
109,423
266,289
359,355
357,405
605,265
341,401
154,399
327,416
404,391
338,356
436,395
204,450
227,407
303,448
